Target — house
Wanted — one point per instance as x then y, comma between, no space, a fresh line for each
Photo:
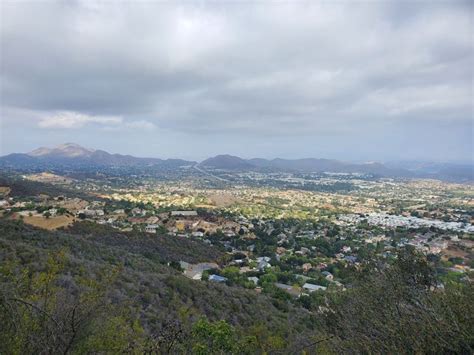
197,276
322,266
152,220
198,234
254,279
282,238
217,278
304,250
194,271
244,269
311,287
180,226
262,265
351,259
137,220
294,291
138,212
307,267
328,275
183,213
151,228
280,250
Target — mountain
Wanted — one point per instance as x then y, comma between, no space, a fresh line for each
457,172
75,156
442,171
67,150
227,162
309,165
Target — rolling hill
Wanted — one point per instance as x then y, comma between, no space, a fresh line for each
73,155
227,162
309,165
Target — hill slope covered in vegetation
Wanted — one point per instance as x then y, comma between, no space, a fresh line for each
93,289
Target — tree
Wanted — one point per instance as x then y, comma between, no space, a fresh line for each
39,315
399,309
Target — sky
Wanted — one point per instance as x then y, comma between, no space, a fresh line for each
349,80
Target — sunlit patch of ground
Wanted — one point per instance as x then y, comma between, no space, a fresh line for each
50,223
223,199
4,190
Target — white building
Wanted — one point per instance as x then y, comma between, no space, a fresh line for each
311,287
151,228
183,213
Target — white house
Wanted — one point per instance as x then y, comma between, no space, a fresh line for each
183,213
254,279
311,287
151,228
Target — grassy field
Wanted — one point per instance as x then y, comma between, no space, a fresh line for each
4,190
47,223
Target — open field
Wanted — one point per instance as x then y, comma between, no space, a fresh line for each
4,190
223,199
47,223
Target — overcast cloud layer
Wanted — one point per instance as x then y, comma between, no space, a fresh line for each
347,80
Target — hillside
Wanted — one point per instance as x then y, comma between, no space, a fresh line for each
70,155
103,291
22,188
227,162
153,292
75,157
310,165
66,150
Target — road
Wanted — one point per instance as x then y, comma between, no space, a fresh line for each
209,174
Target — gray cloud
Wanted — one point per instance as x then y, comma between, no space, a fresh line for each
336,73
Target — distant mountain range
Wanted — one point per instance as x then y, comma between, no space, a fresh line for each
309,165
227,162
75,156
71,154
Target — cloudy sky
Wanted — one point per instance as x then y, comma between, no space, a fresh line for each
352,80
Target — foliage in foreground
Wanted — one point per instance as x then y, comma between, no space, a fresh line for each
50,305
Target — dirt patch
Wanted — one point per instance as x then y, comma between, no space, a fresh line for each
223,199
47,223
49,178
454,252
4,190
74,205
